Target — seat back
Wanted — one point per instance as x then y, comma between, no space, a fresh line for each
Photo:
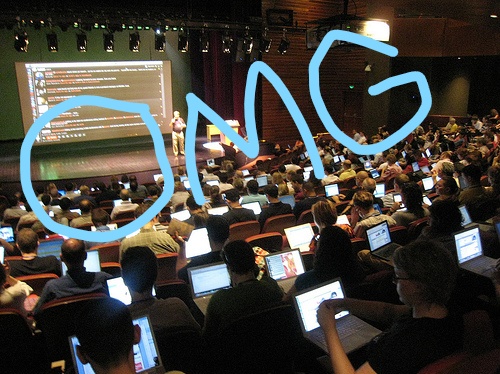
399,234
270,241
167,263
125,214
279,223
416,227
37,281
243,230
305,217
122,221
109,252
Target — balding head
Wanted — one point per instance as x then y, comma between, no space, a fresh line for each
85,206
369,185
124,194
73,253
360,177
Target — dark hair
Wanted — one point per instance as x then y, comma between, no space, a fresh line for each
271,190
473,172
413,197
445,217
100,217
73,252
223,176
217,228
64,203
139,268
27,240
253,186
239,257
46,199
105,331
69,186
232,195
192,204
450,183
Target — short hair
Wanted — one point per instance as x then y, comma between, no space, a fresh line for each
369,184
139,268
239,257
133,185
105,331
450,183
84,189
253,186
65,203
100,217
363,199
124,194
232,195
141,209
328,169
447,168
413,196
391,158
401,179
298,178
324,212
46,199
431,264
308,186
271,190
445,216
27,240
473,172
192,204
223,176
217,228
85,206
69,186
73,252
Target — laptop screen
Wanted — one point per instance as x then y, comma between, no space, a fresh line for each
375,174
415,166
112,226
378,235
308,303
331,190
368,165
219,211
306,175
343,220
7,234
50,247
379,190
428,152
146,356
300,236
182,215
92,263
198,243
466,220
284,265
425,169
157,176
336,159
187,184
245,172
2,254
117,202
468,244
428,183
287,199
342,158
254,206
206,280
262,180
213,183
118,290
308,168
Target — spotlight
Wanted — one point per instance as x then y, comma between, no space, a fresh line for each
284,44
204,42
134,41
21,41
81,42
183,41
265,43
52,42
160,40
227,41
109,41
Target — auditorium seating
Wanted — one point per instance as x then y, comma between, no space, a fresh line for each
270,241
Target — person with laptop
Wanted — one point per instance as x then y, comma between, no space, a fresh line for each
422,330
85,218
310,199
125,205
364,215
446,189
253,194
77,279
247,295
275,207
27,242
236,212
388,198
100,219
13,296
411,195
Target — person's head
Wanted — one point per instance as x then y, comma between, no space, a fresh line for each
73,253
223,176
297,182
106,335
217,231
446,155
360,177
363,200
447,168
412,196
141,209
347,164
271,191
445,217
494,175
85,206
134,186
369,184
124,194
391,159
181,170
400,180
472,173
154,190
176,114
65,203
253,187
328,169
70,186
191,204
139,269
426,271
84,190
277,178
232,196
46,199
308,188
160,182
239,184
324,213
239,257
446,186
27,240
100,217
179,187
452,120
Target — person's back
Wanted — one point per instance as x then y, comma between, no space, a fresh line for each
236,212
275,208
253,194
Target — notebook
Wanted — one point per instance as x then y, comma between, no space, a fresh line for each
182,215
198,243
470,253
428,183
299,237
379,239
331,190
50,247
207,280
288,199
92,263
254,206
218,211
284,267
7,234
112,226
379,189
353,332
146,357
118,290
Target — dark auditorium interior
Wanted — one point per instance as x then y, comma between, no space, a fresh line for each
162,77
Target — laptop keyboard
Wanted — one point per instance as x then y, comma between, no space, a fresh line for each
480,265
347,326
318,335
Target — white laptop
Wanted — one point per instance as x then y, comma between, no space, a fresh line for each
299,237
117,202
207,280
219,211
343,220
118,290
379,239
306,175
331,190
262,180
254,206
284,267
92,262
466,220
428,183
112,226
198,243
7,234
214,182
354,333
245,172
182,215
146,353
470,253
425,169
2,254
379,190
157,176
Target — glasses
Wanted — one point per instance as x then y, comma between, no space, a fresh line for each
395,278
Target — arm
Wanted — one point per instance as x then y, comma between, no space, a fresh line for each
9,248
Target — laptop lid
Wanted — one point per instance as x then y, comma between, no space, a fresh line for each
262,180
245,172
182,215
7,234
497,227
211,162
117,202
428,183
92,262
198,243
157,176
379,189
308,168
426,200
415,166
299,237
342,158
378,236
118,290
428,152
213,182
284,265
425,169
208,279
361,159
466,220
112,226
146,353
306,175
343,220
468,244
336,159
187,184
254,206
288,199
219,211
368,165
248,178
51,247
331,190
2,254
375,174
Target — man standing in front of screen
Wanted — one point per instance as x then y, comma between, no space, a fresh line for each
177,124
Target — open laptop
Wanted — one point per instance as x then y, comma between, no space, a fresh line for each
211,162
470,253
374,173
379,239
146,353
379,190
261,180
254,206
207,280
354,333
219,211
2,254
112,226
425,169
51,247
284,267
343,220
428,184
288,199
466,220
7,234
182,215
198,243
331,190
118,290
214,182
299,237
92,262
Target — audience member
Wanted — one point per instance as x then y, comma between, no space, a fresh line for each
330,177
64,215
84,194
275,207
100,219
447,189
125,206
253,194
15,210
363,215
15,294
86,216
411,196
223,184
347,171
392,169
236,212
179,197
310,199
400,179
198,215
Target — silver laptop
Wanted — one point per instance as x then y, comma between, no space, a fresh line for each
146,353
331,190
379,239
118,290
470,253
299,237
284,267
254,206
92,262
262,180
112,226
219,211
182,215
207,280
198,243
287,199
428,183
354,333
379,190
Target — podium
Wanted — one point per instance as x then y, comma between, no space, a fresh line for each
213,130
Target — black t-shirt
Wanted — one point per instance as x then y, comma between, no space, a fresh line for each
239,215
38,265
413,343
274,209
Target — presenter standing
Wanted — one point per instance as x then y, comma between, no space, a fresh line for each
177,124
